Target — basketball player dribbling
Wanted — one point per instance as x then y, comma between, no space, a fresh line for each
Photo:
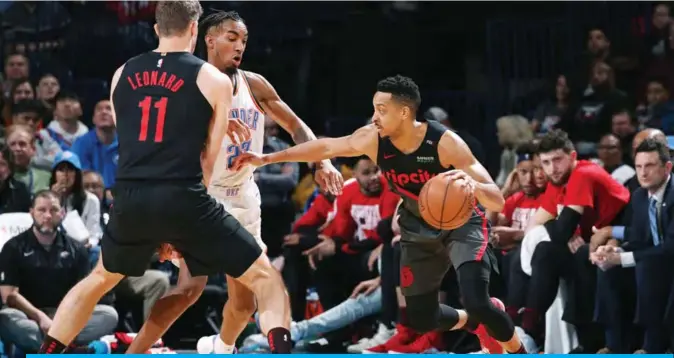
404,147
167,104
225,36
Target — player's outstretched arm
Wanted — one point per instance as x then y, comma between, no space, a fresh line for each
361,142
218,89
327,175
453,151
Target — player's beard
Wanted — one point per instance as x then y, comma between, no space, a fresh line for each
562,180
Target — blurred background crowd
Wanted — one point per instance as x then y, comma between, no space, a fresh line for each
500,74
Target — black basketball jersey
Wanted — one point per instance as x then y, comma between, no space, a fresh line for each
407,173
162,117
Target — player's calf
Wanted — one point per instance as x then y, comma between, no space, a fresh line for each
273,303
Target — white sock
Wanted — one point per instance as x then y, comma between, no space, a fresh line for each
221,347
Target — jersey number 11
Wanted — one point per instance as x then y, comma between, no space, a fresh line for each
145,106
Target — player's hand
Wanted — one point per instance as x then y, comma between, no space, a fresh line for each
366,287
374,256
325,248
329,179
456,174
237,131
599,237
248,158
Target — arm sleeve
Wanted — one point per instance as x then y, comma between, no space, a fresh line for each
316,215
508,209
561,229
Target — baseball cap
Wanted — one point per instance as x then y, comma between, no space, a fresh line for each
69,157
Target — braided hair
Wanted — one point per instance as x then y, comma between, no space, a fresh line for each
214,19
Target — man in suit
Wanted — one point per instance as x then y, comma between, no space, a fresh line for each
648,247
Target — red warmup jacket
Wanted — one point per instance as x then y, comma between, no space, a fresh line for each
354,227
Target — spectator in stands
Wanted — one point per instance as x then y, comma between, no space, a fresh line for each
93,183
648,246
508,226
66,127
21,89
38,268
624,126
47,88
14,196
552,111
658,111
66,181
98,149
513,131
21,142
611,157
276,183
30,113
590,118
580,195
296,271
656,41
16,68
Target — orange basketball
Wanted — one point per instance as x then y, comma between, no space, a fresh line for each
445,204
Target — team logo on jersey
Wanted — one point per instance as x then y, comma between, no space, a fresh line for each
425,159
159,63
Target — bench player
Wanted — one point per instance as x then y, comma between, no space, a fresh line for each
225,37
168,104
407,152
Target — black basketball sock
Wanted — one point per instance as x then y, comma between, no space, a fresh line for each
279,340
51,346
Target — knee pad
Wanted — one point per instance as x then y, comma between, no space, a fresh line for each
423,312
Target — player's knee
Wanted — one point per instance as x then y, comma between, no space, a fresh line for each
190,289
423,312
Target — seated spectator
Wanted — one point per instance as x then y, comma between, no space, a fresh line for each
93,183
31,113
581,195
509,225
658,111
47,88
98,149
39,266
66,181
21,90
295,270
66,127
590,115
625,126
648,247
21,143
14,196
611,157
552,111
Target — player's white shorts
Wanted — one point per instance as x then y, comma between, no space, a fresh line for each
243,202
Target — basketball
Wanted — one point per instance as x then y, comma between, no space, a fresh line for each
444,203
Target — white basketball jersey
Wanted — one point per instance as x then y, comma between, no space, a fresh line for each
244,108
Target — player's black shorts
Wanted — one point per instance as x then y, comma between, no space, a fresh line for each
427,253
145,215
